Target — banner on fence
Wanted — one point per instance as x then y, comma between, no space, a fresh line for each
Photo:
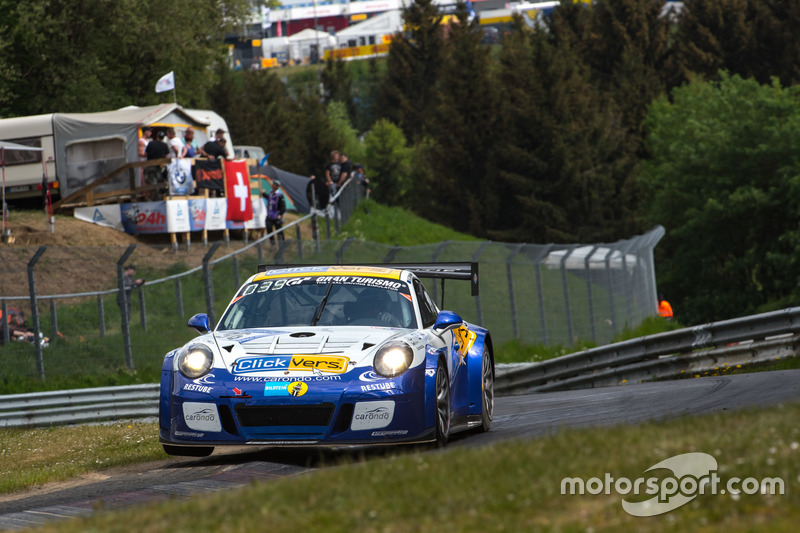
171,216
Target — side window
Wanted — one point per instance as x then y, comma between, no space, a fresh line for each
426,307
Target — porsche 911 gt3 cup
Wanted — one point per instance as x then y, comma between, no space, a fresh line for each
328,356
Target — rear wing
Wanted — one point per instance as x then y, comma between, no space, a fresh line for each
465,271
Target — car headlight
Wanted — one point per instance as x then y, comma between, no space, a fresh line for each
195,361
393,359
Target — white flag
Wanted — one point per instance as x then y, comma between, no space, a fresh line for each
265,22
166,83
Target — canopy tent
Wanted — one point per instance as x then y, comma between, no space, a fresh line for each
4,145
90,145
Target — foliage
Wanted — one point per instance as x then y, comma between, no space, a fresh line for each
343,131
65,56
725,183
387,163
408,94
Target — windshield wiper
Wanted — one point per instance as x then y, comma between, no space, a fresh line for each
318,313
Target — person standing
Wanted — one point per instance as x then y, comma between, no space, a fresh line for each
276,208
344,170
144,140
332,172
176,148
213,149
129,282
192,149
664,307
317,193
156,149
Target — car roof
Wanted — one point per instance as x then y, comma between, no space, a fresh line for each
331,270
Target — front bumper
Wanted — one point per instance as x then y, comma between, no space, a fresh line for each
279,412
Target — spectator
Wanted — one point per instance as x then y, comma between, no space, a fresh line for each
144,140
332,172
156,149
176,148
317,193
214,149
276,208
129,282
361,180
344,169
192,149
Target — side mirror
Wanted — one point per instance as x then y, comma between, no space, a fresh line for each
200,323
447,320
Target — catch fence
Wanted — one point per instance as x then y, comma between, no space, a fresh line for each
549,294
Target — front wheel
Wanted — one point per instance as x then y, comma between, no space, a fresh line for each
188,451
442,405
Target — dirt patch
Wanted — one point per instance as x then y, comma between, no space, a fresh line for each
82,257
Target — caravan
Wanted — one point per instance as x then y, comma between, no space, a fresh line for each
80,148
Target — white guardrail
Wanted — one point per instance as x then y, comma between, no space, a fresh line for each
690,351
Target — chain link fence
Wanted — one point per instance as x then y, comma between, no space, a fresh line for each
550,294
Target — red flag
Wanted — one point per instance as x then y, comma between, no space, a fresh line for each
237,191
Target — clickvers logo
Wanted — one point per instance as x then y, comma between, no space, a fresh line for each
693,474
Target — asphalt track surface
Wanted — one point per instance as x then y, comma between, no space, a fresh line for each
516,417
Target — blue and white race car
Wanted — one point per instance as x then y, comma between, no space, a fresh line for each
327,356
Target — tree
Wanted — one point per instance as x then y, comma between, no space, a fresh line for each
463,134
725,183
407,95
81,56
388,163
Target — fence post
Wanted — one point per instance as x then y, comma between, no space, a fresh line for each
328,226
260,254
540,290
393,252
142,310
588,270
35,312
6,338
610,277
511,300
124,308
565,288
179,296
475,257
101,316
299,243
53,319
340,251
235,272
208,283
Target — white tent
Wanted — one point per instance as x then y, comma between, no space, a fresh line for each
300,43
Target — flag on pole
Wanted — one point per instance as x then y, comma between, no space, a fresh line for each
265,22
166,83
279,27
237,191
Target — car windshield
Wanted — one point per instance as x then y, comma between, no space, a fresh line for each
321,301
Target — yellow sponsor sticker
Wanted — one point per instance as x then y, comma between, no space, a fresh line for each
465,339
297,388
335,364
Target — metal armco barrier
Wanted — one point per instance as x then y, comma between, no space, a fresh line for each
663,355
79,406
707,348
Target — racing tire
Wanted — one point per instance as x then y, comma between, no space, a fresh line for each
188,451
487,391
442,405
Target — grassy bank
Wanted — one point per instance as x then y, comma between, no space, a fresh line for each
510,486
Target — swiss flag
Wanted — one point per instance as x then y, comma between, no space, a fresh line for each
237,191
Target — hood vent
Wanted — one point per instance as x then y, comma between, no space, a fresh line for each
302,334
367,345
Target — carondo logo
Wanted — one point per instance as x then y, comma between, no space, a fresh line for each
335,364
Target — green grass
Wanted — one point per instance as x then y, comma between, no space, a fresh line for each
396,226
509,486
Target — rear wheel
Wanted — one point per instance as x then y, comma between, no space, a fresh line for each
442,405
487,391
188,451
